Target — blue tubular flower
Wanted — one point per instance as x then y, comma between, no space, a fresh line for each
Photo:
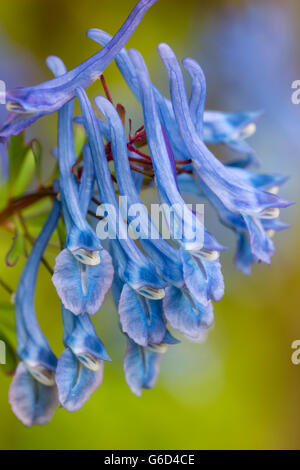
32,402
199,279
187,230
254,242
141,318
165,256
198,95
203,279
81,288
82,240
141,364
50,96
134,267
185,314
33,395
236,195
80,368
230,129
218,127
141,367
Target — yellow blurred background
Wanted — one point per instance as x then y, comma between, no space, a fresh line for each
239,389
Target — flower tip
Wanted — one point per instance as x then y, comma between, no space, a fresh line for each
165,51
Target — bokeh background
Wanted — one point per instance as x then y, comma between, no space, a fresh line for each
239,389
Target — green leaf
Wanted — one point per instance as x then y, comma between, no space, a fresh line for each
38,154
8,337
4,189
25,175
79,139
18,247
16,151
7,316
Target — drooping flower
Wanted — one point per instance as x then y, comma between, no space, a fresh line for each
141,319
215,127
157,284
82,277
50,96
134,268
33,393
249,215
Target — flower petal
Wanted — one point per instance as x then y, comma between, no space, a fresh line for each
142,319
32,402
82,289
141,368
185,314
261,245
75,382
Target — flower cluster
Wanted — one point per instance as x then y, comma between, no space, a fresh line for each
159,287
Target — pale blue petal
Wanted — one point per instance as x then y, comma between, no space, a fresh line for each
142,319
32,402
81,288
185,314
141,368
75,382
81,337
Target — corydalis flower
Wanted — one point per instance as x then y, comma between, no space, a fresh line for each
237,195
216,127
33,394
80,367
50,96
81,277
141,319
156,285
134,267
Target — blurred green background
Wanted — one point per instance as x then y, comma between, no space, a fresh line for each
239,389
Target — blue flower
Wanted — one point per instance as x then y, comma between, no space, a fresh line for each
33,394
141,367
81,278
236,195
142,319
156,284
187,315
50,96
133,266
80,367
165,256
141,363
215,127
